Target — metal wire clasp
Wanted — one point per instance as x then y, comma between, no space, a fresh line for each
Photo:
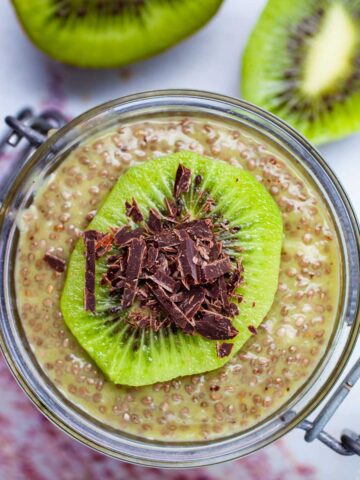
32,127
349,443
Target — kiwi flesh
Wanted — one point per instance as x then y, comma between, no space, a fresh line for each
302,63
110,33
132,359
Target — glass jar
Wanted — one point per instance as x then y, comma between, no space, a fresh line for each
18,193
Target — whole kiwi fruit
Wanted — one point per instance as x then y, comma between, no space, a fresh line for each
110,33
302,63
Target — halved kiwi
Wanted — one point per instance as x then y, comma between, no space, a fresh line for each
130,357
110,33
302,63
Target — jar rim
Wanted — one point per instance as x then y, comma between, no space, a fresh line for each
215,451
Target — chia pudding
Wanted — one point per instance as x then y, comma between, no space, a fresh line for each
273,365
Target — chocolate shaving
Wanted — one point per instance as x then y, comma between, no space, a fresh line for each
215,251
171,208
104,245
169,306
252,329
136,253
180,296
192,301
133,211
54,262
223,295
235,280
124,235
164,280
151,257
198,180
182,180
233,309
90,238
223,349
154,222
198,229
166,239
214,270
187,254
215,326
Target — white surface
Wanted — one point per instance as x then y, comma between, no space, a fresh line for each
210,60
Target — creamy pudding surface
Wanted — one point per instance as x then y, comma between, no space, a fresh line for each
279,358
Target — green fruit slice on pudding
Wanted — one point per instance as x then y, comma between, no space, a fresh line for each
176,270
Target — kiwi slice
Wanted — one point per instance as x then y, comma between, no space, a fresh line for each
110,33
302,63
253,236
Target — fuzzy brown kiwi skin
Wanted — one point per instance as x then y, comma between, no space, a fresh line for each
51,55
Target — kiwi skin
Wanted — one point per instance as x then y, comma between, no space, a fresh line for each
75,33
276,58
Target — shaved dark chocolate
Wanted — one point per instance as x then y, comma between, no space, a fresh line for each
90,258
111,259
198,229
208,205
169,307
151,257
223,295
163,263
213,290
124,235
93,234
166,239
233,309
215,251
134,262
113,271
164,280
180,296
216,269
171,208
187,255
133,211
179,207
235,279
252,329
182,180
198,180
192,302
54,262
223,349
104,245
215,326
154,222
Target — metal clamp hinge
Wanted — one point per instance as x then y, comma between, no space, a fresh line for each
349,443
34,128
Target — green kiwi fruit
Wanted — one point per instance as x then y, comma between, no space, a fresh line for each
110,33
242,202
302,63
